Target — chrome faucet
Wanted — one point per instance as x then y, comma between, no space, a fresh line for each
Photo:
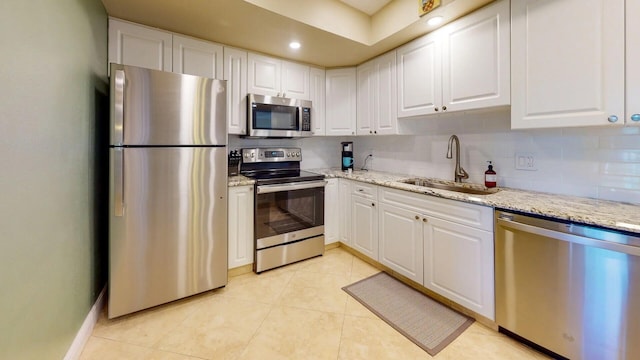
459,172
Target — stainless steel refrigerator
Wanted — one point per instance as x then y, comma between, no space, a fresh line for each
168,187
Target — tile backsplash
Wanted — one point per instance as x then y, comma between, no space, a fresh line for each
594,162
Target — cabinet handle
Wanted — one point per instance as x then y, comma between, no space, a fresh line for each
370,132
635,117
444,108
436,109
373,204
361,190
612,118
424,220
417,217
375,131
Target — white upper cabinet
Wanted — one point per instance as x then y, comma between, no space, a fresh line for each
476,61
376,93
137,45
235,72
317,93
463,66
274,77
568,63
340,109
632,114
197,57
419,66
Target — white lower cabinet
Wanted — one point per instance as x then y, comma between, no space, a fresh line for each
240,226
445,245
364,230
458,264
331,212
400,240
344,202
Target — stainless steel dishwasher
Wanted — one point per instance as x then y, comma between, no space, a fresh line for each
570,288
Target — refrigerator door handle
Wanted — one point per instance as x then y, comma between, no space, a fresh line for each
119,107
118,188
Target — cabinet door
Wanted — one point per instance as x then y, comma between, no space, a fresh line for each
387,97
317,93
264,75
632,68
341,102
344,192
235,72
476,60
401,242
364,226
567,63
197,57
366,98
240,226
295,81
419,77
458,264
331,212
138,45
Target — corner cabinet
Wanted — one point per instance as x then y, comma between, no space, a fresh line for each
377,96
463,66
568,63
240,221
235,72
341,101
318,94
137,45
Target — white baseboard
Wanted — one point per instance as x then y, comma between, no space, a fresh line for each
86,329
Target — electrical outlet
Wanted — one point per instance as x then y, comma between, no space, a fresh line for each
526,161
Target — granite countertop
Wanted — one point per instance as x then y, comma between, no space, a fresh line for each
240,180
604,213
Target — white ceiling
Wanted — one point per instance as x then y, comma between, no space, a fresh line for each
332,32
368,7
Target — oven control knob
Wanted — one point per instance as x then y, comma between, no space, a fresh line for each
298,154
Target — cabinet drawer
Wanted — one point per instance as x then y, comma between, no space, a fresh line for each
368,191
473,215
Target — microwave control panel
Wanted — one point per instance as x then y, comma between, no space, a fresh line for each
306,119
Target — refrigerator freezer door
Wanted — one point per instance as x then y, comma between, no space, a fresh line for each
151,107
171,240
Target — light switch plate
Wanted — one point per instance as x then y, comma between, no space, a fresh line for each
526,161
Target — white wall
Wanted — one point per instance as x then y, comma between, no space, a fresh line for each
53,104
317,152
595,162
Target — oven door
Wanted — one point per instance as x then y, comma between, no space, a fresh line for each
288,212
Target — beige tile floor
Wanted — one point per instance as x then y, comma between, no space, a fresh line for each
295,312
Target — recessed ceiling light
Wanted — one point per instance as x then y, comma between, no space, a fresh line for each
294,45
435,20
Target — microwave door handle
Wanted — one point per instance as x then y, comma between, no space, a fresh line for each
265,189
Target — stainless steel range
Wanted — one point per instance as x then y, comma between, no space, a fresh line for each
289,207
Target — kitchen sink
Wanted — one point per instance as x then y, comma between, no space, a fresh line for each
462,188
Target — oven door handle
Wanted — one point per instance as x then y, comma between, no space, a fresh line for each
265,189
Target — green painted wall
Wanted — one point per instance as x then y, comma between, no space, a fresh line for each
53,84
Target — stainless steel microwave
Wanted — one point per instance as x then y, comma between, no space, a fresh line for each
271,116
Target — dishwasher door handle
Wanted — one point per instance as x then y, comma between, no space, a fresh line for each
558,235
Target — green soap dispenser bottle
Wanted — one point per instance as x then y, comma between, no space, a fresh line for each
490,177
